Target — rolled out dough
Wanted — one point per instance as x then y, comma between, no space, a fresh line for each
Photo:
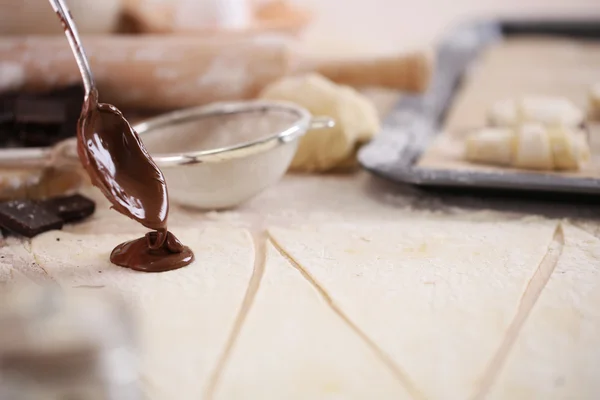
436,296
185,316
9,275
557,353
293,346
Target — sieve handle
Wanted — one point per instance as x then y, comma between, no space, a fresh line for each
321,123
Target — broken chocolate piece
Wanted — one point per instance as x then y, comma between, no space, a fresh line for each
7,101
34,135
71,208
7,106
27,218
39,111
72,96
38,120
30,218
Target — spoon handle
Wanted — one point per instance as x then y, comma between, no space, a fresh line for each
75,42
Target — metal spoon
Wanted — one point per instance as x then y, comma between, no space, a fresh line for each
73,37
111,150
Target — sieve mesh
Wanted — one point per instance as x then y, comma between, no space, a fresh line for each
217,131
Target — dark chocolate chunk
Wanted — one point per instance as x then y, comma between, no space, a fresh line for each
7,133
73,98
36,135
27,218
73,93
7,109
39,111
71,208
6,116
38,120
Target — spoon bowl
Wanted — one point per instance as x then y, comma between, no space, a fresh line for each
111,151
116,160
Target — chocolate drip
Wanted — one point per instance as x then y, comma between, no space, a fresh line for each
148,254
117,163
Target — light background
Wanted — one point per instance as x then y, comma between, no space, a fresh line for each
391,24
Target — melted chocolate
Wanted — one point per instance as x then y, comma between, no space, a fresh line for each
117,163
144,254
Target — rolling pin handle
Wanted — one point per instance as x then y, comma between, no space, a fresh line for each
32,157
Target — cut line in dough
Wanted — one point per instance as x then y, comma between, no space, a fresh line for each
293,346
557,353
437,301
259,240
385,359
532,293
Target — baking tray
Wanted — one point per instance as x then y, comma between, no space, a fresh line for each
417,119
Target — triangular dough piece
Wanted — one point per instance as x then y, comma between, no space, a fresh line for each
436,296
294,346
185,315
557,353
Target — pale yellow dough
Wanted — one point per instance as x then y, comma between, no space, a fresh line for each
437,301
356,120
529,146
185,316
294,346
493,146
10,276
418,312
557,353
533,149
546,110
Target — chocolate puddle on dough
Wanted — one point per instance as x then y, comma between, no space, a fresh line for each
141,255
117,163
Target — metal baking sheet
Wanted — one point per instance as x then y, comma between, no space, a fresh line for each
417,119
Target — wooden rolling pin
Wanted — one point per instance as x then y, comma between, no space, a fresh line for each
165,72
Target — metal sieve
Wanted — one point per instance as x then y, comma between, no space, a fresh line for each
213,157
